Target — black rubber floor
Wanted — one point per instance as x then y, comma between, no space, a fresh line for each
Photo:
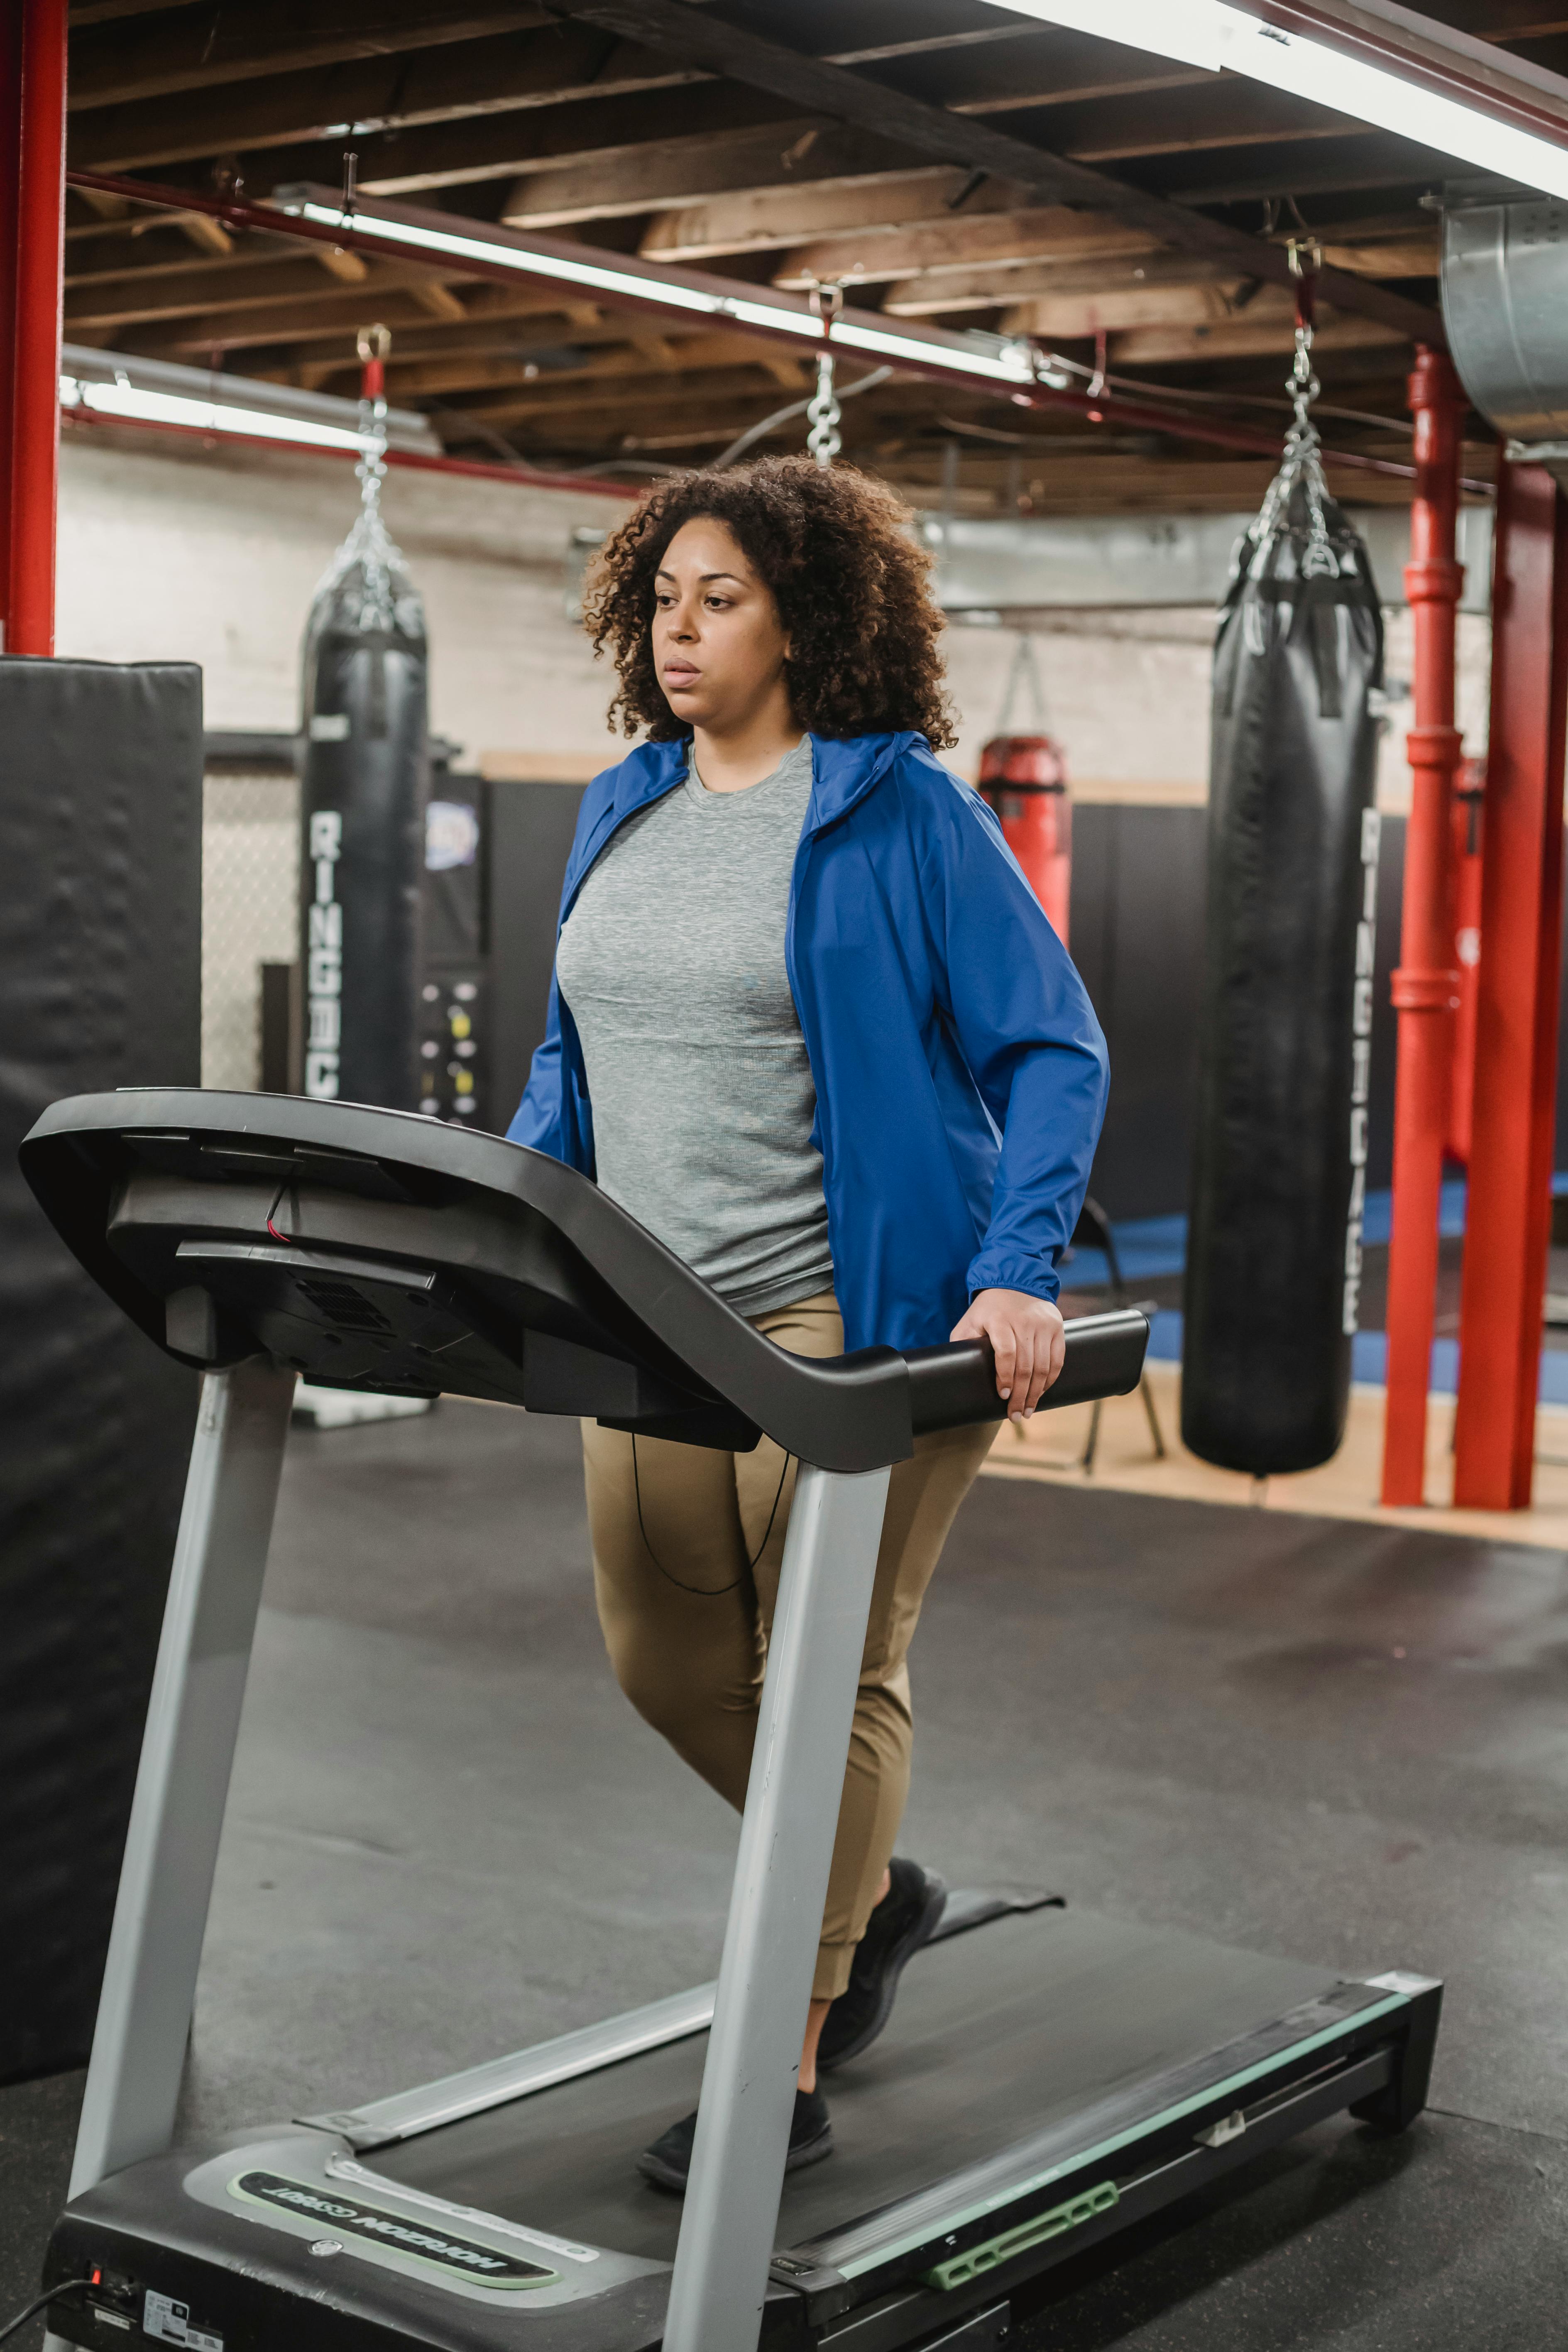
449,1836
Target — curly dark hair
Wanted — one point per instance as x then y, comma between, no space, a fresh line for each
850,580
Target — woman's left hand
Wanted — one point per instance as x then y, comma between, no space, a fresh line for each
1028,1337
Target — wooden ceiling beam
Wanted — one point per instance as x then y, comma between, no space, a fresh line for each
549,400
775,162
232,41
1040,66
700,37
455,83
644,362
168,258
585,132
1358,161
331,316
1236,338
103,12
761,220
962,243
942,291
515,340
146,295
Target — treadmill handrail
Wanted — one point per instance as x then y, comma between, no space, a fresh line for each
856,1412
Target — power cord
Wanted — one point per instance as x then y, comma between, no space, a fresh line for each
71,2287
702,1591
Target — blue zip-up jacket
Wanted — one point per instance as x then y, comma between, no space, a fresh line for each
960,1072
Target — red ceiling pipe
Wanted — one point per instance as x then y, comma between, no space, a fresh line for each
33,64
1509,1214
1426,985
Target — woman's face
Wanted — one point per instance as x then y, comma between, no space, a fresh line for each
719,646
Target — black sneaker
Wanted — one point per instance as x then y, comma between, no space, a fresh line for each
902,1921
668,2161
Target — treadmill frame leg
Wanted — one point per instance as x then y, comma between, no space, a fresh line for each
182,1783
775,1911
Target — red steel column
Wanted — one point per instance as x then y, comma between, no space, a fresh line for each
1509,1215
1426,985
32,229
10,198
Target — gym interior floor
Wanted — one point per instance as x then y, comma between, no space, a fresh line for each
450,1836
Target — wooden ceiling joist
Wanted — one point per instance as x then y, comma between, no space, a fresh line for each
234,40
948,161
772,164
703,39
503,73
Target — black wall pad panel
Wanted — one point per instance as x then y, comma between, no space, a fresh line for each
101,852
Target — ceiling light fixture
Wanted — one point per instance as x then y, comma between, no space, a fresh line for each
1399,96
994,359
121,388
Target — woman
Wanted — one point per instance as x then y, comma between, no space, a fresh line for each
811,1028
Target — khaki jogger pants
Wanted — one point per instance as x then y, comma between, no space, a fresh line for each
686,1621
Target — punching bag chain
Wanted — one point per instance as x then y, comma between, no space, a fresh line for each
823,440
368,546
1302,465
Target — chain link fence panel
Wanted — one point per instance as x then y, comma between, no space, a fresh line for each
250,901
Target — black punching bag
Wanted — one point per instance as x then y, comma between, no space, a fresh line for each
1279,1163
365,785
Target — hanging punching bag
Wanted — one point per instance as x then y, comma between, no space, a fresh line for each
1280,1167
1024,778
364,791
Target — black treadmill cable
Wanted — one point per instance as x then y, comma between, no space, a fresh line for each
71,2287
705,1591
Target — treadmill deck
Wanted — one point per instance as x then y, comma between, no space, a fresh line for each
1017,2025
1047,2077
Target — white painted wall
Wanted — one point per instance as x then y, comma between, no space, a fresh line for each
170,550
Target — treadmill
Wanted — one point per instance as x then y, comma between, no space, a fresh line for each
1078,2072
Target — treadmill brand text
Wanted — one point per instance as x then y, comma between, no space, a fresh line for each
486,2264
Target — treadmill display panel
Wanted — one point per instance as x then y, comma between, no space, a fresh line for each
486,2265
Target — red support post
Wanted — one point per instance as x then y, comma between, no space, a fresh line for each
1509,1213
32,233
1426,985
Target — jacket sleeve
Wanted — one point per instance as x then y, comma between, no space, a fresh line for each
554,1115
540,1120
1028,1033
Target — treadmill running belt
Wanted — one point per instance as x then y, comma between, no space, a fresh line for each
998,2034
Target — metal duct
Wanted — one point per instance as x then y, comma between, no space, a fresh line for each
1505,303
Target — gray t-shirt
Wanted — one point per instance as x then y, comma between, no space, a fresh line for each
672,964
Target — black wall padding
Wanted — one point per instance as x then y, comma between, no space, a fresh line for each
1273,1248
100,801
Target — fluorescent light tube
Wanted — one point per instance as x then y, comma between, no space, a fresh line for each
598,279
143,406
1213,34
1002,362
1010,362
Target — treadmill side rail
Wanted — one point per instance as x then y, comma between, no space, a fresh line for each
182,1783
495,2084
743,2119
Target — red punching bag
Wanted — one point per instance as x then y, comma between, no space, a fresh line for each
1024,779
